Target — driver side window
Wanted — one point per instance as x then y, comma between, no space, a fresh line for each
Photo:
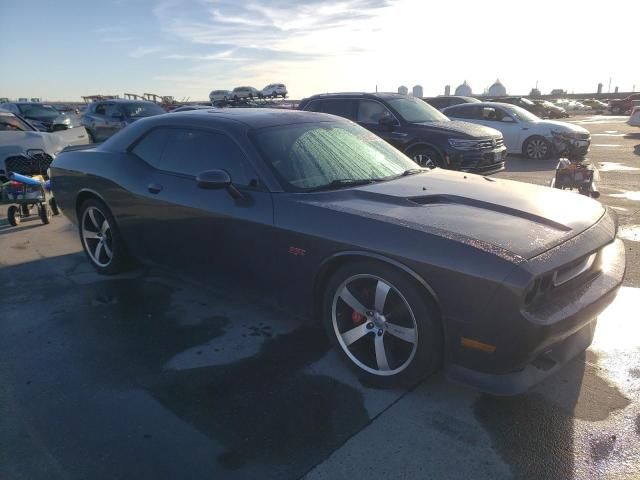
101,109
370,111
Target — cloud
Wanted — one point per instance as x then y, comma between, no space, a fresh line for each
277,25
144,51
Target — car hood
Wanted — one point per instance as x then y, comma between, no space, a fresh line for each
511,219
563,126
17,143
461,129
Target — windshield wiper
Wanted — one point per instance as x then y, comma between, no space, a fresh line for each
412,171
342,182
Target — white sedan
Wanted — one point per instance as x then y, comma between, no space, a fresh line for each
523,132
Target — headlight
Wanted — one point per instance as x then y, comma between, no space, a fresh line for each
463,144
561,133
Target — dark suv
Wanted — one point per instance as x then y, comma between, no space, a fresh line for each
104,118
418,130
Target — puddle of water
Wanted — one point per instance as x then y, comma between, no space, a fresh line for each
630,232
620,209
617,330
628,195
610,145
613,134
615,166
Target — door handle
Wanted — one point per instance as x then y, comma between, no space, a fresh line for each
154,188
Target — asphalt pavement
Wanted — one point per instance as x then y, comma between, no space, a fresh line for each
150,376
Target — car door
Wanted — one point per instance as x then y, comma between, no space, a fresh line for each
113,120
203,233
376,117
498,118
97,120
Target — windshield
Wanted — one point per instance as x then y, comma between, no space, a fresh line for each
308,156
142,109
38,112
521,114
416,111
11,123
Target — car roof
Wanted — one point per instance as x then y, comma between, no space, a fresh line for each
122,100
256,117
481,104
382,95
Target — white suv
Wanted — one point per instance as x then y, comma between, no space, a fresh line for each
275,90
244,92
219,96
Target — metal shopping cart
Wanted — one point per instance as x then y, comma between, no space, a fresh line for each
22,193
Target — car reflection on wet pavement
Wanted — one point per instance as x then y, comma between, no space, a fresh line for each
147,376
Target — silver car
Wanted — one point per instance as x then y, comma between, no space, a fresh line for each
244,92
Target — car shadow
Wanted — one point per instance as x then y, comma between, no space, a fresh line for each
519,163
27,223
633,135
173,379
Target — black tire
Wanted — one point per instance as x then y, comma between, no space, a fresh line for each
616,110
45,213
119,260
13,215
24,210
405,308
54,206
537,148
426,156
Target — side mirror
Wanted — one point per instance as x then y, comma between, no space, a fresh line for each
213,179
217,179
387,121
117,115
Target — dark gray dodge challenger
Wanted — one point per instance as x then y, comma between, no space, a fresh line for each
410,270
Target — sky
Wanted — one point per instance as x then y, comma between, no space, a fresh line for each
62,49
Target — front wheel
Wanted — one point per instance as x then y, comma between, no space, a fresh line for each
383,323
426,157
101,238
536,148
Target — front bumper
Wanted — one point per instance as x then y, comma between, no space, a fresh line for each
482,162
542,338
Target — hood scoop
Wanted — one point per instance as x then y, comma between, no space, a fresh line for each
443,199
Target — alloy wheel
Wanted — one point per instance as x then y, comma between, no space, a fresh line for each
424,160
537,149
97,237
374,325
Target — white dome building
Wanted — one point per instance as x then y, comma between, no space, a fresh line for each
497,89
402,90
417,91
464,89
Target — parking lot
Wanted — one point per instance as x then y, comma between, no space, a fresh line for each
150,376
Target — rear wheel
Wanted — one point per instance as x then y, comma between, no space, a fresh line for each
426,157
536,148
383,323
13,215
101,238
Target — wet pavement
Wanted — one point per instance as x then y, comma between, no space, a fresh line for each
150,376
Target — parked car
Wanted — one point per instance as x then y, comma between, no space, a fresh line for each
624,105
39,115
444,101
521,102
408,269
28,151
595,104
634,118
104,118
244,92
417,129
274,90
219,96
551,110
69,109
523,132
